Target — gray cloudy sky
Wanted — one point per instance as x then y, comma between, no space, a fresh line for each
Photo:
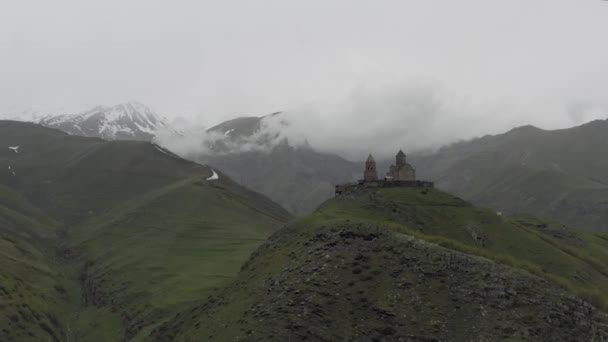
480,65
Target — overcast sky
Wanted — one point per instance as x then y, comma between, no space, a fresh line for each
483,65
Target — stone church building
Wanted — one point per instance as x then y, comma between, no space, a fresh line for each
400,174
401,170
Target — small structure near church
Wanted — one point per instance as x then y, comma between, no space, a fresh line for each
400,174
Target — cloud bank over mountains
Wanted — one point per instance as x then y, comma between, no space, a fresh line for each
420,73
417,116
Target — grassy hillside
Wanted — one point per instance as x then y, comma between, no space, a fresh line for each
32,293
410,264
123,234
442,218
168,248
559,174
73,178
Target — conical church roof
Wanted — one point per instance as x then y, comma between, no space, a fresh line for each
400,154
370,159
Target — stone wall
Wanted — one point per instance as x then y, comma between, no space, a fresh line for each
346,188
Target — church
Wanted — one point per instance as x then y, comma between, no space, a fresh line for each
400,171
400,174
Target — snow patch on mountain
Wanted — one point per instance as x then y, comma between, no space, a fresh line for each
161,150
214,176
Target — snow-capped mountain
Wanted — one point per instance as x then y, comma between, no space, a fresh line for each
127,121
247,133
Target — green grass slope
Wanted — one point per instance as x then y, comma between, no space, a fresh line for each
32,293
442,218
129,231
520,189
410,265
73,178
164,250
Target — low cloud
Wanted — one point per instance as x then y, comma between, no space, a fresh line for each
420,115
414,116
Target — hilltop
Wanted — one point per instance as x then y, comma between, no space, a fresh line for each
408,264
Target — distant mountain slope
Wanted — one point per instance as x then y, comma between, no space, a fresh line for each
137,232
246,134
253,151
560,174
242,127
298,178
127,121
409,265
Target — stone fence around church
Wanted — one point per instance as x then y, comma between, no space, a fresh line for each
342,189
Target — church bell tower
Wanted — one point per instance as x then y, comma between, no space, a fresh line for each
370,174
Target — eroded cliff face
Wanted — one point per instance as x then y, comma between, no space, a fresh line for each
361,282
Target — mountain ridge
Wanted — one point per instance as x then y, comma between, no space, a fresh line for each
555,173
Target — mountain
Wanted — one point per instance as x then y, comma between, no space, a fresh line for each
254,152
558,174
247,134
127,121
297,177
407,264
243,127
104,240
